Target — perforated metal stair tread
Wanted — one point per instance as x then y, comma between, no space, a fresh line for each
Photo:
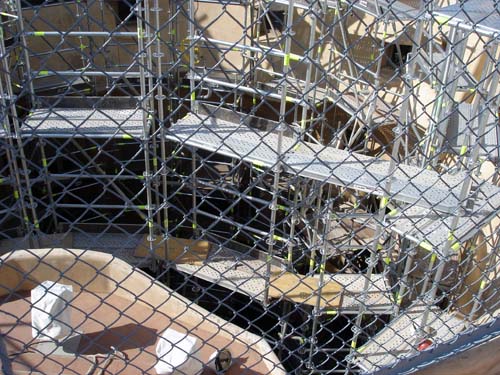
480,14
78,122
432,230
246,274
414,185
394,9
399,338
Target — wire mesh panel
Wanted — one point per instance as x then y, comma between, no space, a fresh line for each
262,187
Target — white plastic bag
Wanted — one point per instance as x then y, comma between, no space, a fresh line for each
178,353
50,311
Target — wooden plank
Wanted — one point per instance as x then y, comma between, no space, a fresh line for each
180,250
303,289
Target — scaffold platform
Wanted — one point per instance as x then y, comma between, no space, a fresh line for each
78,122
231,269
421,187
91,117
395,340
481,16
399,10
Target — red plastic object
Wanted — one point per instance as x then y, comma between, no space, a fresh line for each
424,345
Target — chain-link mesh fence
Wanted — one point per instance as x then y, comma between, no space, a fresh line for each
260,187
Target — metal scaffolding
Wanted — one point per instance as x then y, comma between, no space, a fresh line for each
332,163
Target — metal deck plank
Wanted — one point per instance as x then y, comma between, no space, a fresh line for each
245,274
395,9
422,225
481,15
413,185
399,338
80,122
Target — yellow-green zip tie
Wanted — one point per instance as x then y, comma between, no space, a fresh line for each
483,284
331,312
442,20
16,194
39,33
426,245
126,136
44,162
302,123
286,60
193,96
399,299
463,150
43,73
384,202
433,257
194,225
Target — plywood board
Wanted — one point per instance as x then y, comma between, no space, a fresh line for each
179,250
304,289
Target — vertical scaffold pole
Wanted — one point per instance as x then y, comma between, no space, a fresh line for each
310,56
146,122
33,224
11,160
191,70
326,217
278,164
160,98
